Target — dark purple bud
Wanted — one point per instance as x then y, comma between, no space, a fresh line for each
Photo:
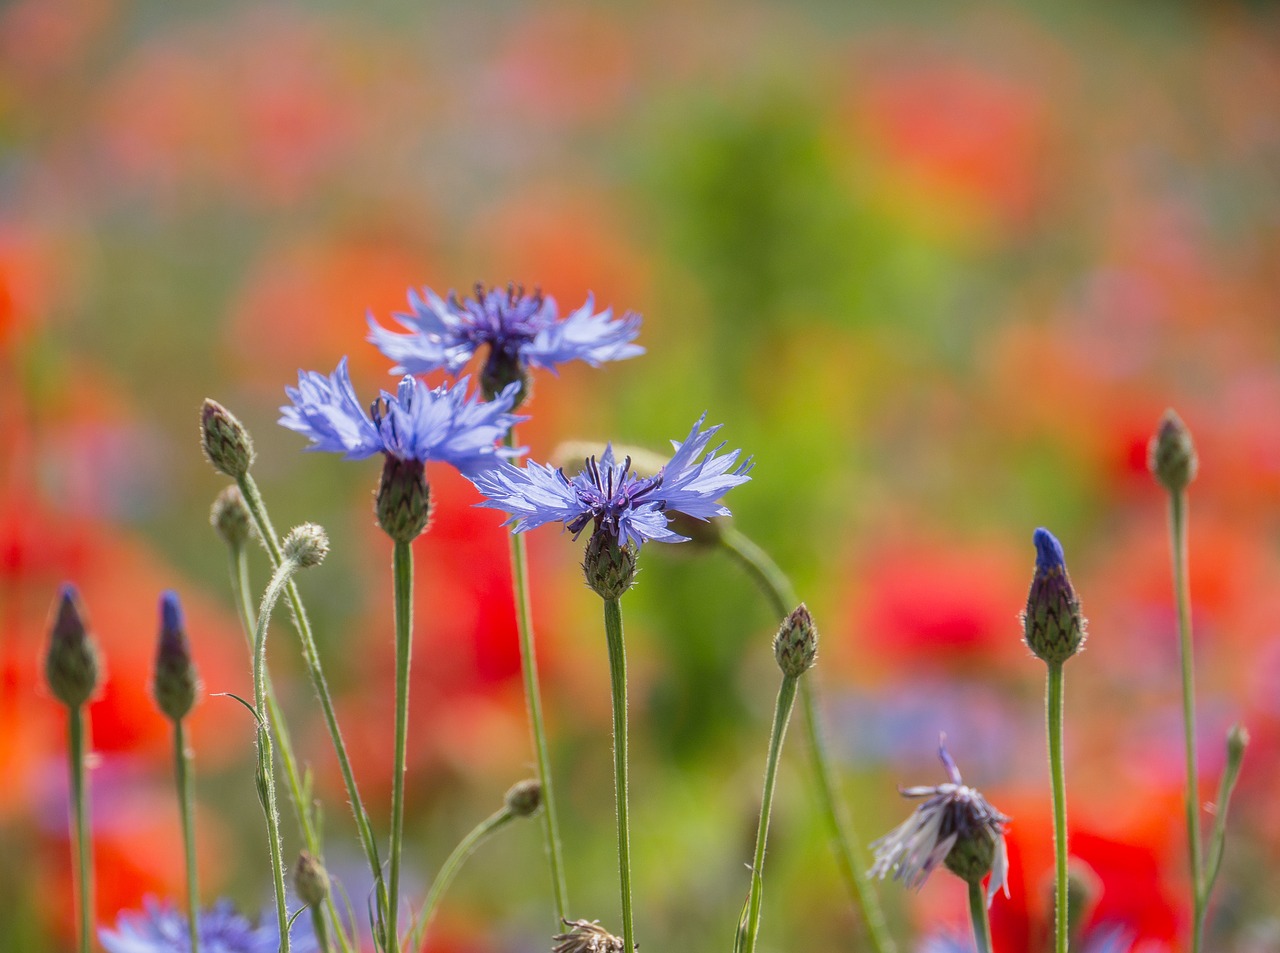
1053,627
225,440
72,665
175,682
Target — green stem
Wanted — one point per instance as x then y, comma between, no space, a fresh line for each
186,801
1053,717
77,717
1235,757
303,807
402,571
266,761
849,854
618,683
453,864
320,927
1182,594
533,702
978,914
781,715
262,522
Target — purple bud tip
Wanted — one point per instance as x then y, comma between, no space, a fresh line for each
170,612
1048,551
67,593
67,621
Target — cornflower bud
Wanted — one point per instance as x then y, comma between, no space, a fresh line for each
403,502
225,440
1171,455
229,516
175,682
306,545
311,880
796,644
610,569
72,665
524,797
1052,624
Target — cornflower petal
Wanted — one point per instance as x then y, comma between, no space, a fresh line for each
325,409
585,336
162,928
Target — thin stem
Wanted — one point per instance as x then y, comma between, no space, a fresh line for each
303,807
849,854
1053,717
449,869
77,718
402,571
1235,757
320,927
186,801
978,914
266,766
262,522
618,683
533,702
781,715
1182,594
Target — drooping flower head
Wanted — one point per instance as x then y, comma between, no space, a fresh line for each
162,928
411,427
520,331
956,827
614,499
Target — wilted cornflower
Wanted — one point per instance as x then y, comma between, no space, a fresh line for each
587,936
613,498
161,928
955,826
411,427
521,331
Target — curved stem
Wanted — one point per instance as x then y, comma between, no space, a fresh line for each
262,522
781,715
186,802
1053,717
845,845
77,717
978,914
1182,594
402,572
452,865
302,806
618,683
533,702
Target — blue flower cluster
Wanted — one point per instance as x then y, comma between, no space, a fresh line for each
162,928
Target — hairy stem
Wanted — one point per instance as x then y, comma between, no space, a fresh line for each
186,802
402,571
77,718
618,682
1053,718
978,914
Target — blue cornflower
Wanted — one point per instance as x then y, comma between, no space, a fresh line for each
613,498
414,424
521,331
956,826
162,928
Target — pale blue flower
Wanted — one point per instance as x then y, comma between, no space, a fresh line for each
162,928
613,497
520,329
415,423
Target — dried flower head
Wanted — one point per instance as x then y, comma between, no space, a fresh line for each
587,936
956,827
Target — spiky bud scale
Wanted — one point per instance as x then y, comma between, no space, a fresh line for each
174,683
796,645
610,569
403,503
1171,454
72,666
1053,626
226,442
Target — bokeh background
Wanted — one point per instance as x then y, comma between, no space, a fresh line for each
939,267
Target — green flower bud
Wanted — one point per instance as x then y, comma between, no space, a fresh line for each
796,644
306,545
524,797
72,665
310,880
225,440
229,516
174,683
403,503
1171,455
610,569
